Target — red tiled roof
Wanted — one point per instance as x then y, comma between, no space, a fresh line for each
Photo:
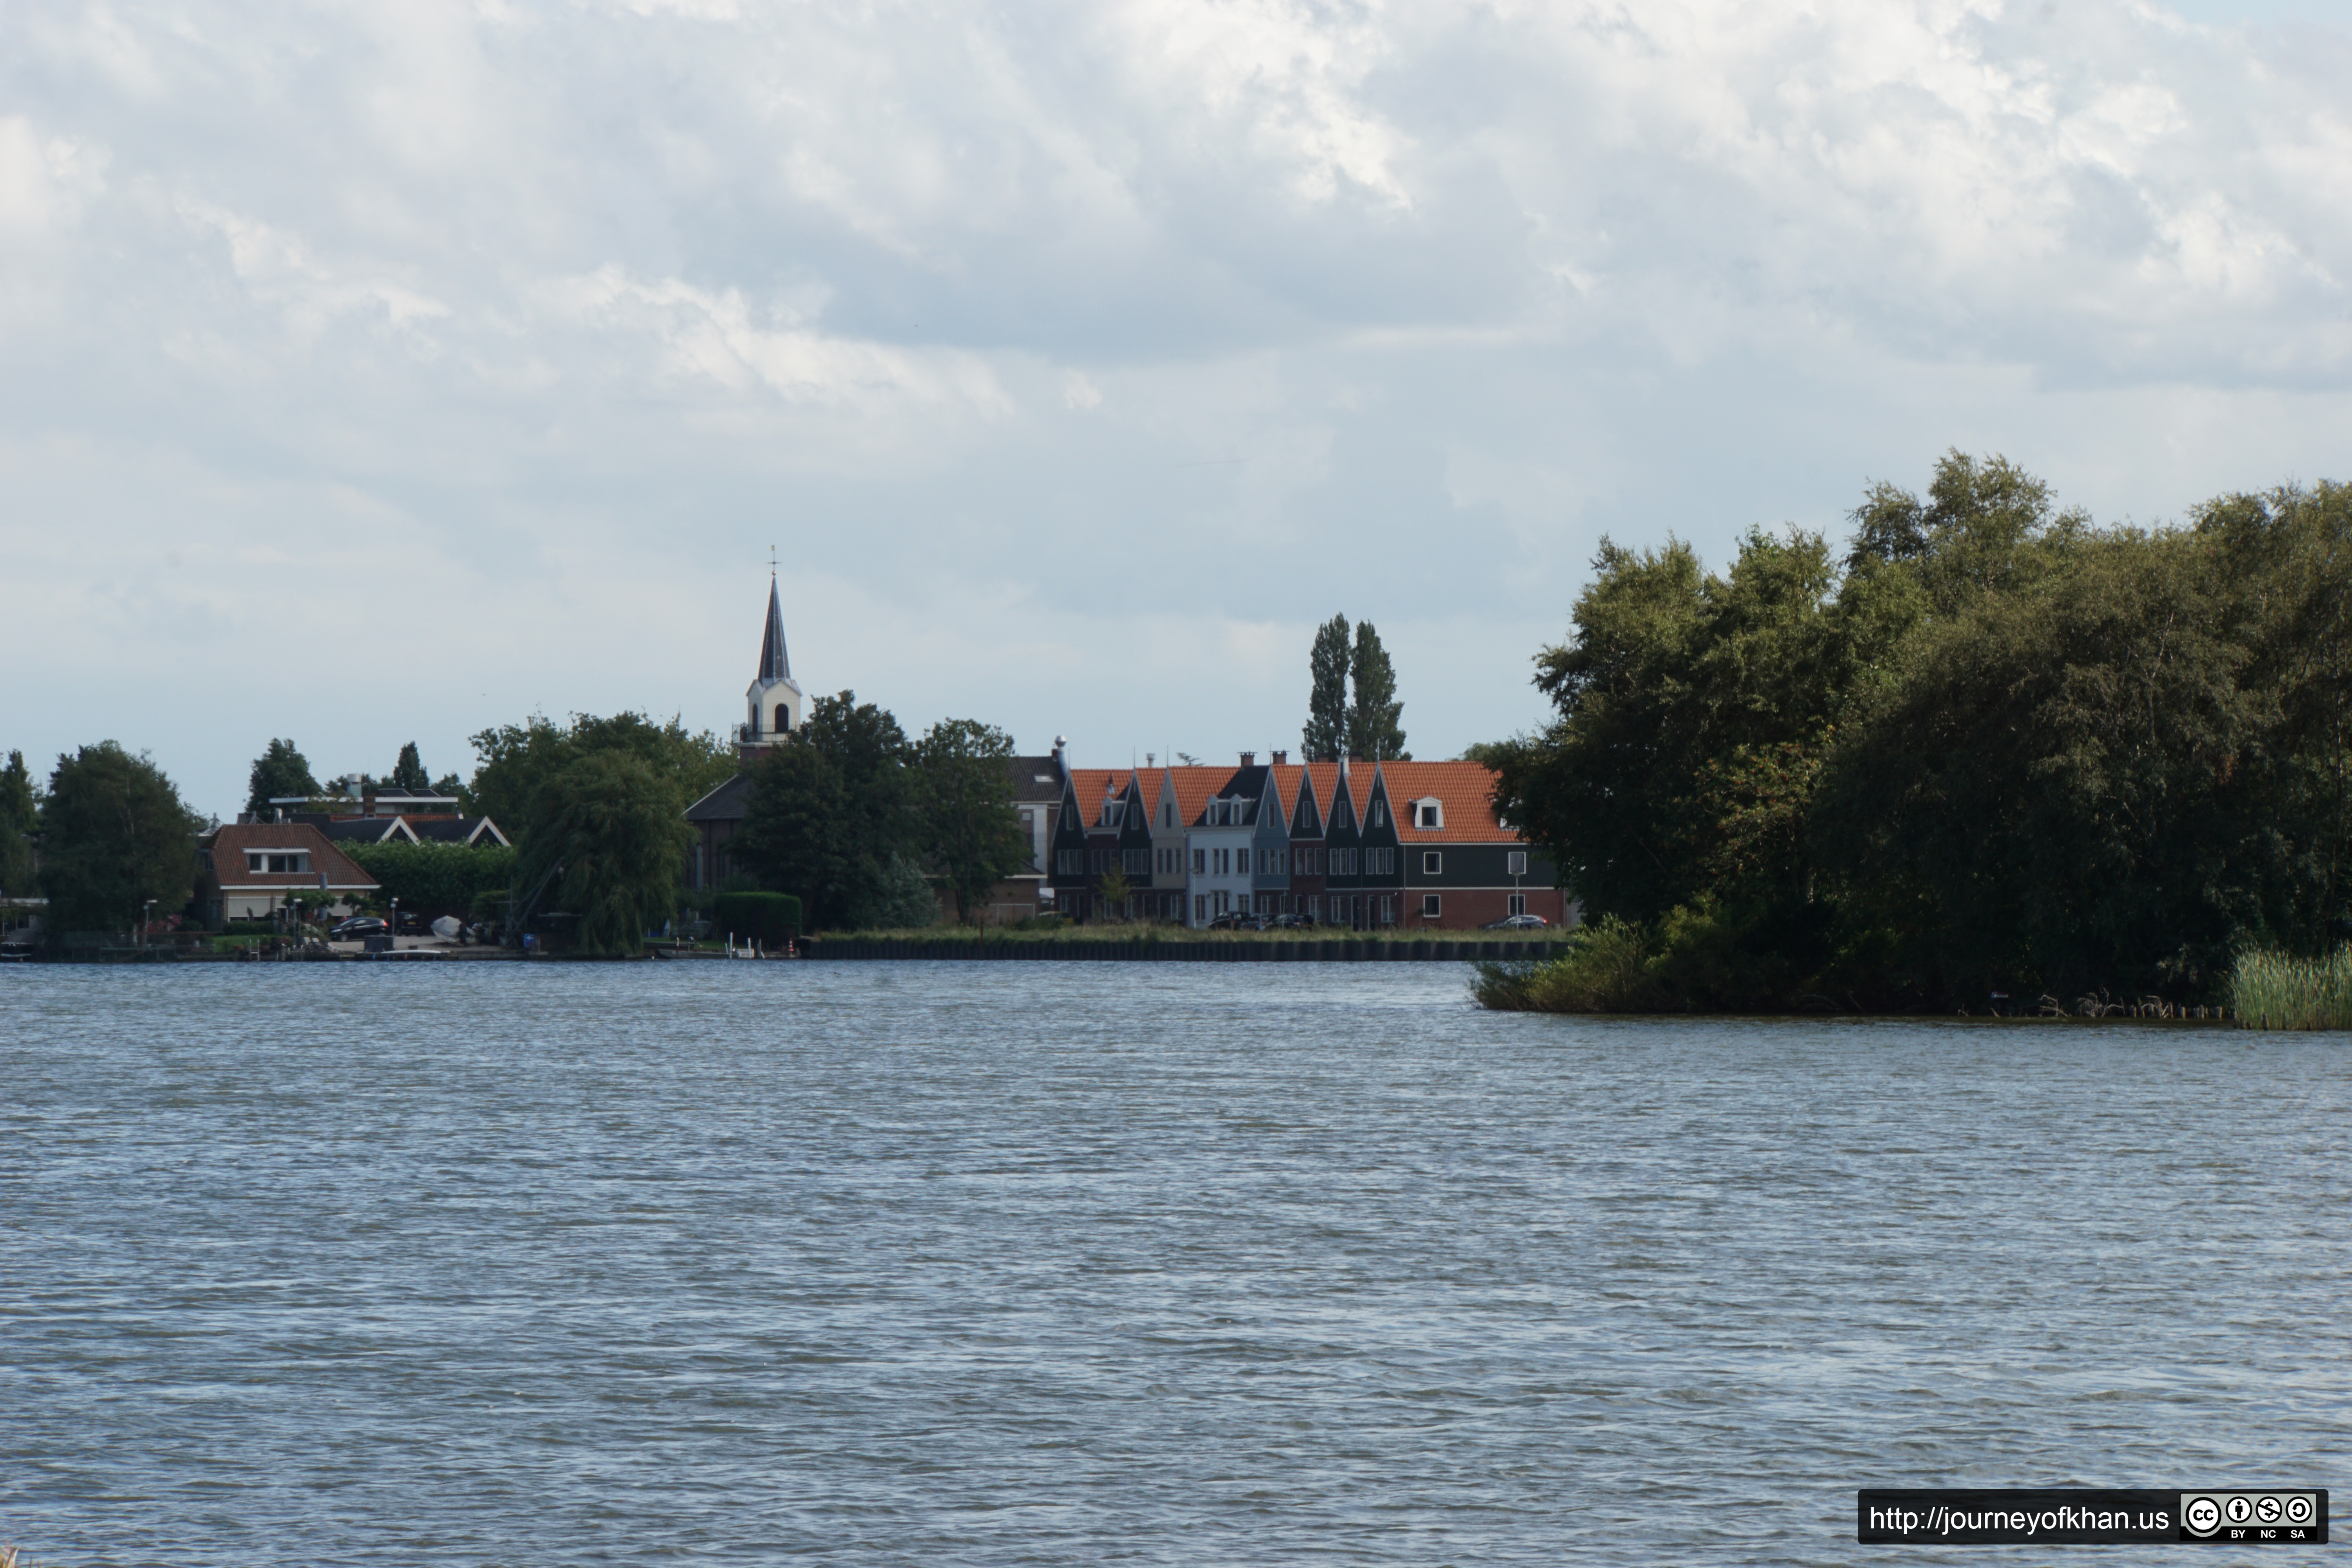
1465,795
229,845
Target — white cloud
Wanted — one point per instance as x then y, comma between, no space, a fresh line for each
528,328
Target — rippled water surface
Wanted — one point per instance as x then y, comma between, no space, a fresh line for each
1134,1263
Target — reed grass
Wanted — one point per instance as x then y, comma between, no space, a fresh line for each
2274,991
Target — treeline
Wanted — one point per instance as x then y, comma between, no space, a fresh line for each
864,825
1989,747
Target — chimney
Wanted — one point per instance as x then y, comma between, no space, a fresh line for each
1280,758
1249,758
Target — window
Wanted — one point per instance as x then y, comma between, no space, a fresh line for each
783,720
1222,905
1515,864
277,865
1379,813
1429,814
1314,906
1200,906
1388,910
1069,862
1433,864
1135,862
1429,906
1168,814
1516,904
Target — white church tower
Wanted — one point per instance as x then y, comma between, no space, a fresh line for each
774,698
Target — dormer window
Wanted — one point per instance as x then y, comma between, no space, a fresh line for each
297,863
1429,814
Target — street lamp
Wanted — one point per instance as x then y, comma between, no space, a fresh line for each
146,923
394,932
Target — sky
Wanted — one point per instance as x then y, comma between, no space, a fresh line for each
372,373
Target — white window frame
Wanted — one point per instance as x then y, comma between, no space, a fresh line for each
1515,904
1431,906
1432,863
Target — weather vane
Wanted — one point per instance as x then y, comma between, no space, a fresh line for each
771,561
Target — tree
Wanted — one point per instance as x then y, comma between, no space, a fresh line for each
832,809
409,773
970,833
1113,889
615,824
1325,735
279,772
794,835
114,836
19,813
1372,726
517,759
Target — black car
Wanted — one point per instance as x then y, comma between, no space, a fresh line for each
1238,922
357,927
1296,923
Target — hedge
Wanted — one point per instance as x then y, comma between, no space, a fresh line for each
773,918
443,877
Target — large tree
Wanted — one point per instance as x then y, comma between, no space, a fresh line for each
114,836
614,823
19,813
280,772
1326,735
409,773
1373,714
970,831
517,759
831,810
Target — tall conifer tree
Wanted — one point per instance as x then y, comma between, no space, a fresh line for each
1327,697
1373,730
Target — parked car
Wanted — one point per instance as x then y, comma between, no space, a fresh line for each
1516,922
1296,923
358,927
1237,920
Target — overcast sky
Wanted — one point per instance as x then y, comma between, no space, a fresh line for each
382,372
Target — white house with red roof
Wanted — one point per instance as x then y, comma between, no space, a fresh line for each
250,870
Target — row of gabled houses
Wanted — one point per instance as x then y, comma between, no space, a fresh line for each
1367,844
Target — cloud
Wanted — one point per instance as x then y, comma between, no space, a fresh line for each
1082,357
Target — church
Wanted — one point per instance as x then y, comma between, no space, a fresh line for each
773,705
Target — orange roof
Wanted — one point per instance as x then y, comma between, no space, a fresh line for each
1465,795
1094,785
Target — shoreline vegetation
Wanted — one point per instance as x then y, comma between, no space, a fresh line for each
1989,757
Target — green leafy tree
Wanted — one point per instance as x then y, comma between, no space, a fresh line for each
19,815
615,824
903,897
114,835
436,877
409,773
970,830
1113,889
1327,694
279,772
831,810
515,760
796,836
1373,727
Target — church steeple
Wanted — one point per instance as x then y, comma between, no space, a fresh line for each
773,698
776,664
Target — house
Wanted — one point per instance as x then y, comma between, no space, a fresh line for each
250,870
1388,847
451,827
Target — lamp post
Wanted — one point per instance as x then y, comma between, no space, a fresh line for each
395,925
146,923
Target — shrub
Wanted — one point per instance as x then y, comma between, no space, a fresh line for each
438,877
773,918
1606,969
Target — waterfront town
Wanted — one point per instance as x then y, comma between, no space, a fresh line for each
1374,844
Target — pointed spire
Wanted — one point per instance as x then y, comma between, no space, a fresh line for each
776,664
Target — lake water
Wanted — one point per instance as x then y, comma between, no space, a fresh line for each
1119,1263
